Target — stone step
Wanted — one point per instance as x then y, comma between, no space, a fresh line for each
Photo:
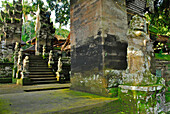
40,76
37,64
37,61
43,78
41,73
40,70
44,82
37,67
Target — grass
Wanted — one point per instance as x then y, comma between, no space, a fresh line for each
4,107
84,94
167,95
162,57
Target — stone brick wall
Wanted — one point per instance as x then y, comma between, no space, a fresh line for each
6,72
99,43
164,68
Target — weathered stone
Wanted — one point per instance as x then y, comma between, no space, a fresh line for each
99,44
139,55
142,99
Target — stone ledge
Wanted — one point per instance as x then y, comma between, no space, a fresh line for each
141,88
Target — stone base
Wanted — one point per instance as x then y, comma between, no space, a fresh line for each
142,99
24,81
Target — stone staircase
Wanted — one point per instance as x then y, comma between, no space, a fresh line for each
39,71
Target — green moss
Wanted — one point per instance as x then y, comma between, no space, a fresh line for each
4,107
84,94
137,100
113,92
14,80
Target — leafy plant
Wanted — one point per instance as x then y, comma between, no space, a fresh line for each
159,20
62,32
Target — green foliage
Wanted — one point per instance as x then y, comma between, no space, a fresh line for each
167,95
162,57
62,32
28,31
62,10
159,20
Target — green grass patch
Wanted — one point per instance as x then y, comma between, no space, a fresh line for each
57,48
162,57
4,107
83,94
167,96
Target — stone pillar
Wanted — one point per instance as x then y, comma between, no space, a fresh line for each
98,45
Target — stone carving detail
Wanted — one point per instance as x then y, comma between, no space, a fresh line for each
19,63
59,65
59,71
26,64
15,59
50,61
25,70
20,57
139,54
44,49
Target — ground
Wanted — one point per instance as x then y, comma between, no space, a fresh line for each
15,100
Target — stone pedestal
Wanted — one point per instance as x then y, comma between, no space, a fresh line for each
142,99
98,45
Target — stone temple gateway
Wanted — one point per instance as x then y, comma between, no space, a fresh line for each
112,55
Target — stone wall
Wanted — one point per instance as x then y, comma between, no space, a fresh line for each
142,99
6,72
99,44
163,70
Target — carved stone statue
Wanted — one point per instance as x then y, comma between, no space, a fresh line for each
50,61
60,64
44,47
26,64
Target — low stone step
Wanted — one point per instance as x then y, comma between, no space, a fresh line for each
42,79
38,65
40,76
44,82
39,69
38,62
41,73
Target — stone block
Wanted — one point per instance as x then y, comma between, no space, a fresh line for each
98,44
142,99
